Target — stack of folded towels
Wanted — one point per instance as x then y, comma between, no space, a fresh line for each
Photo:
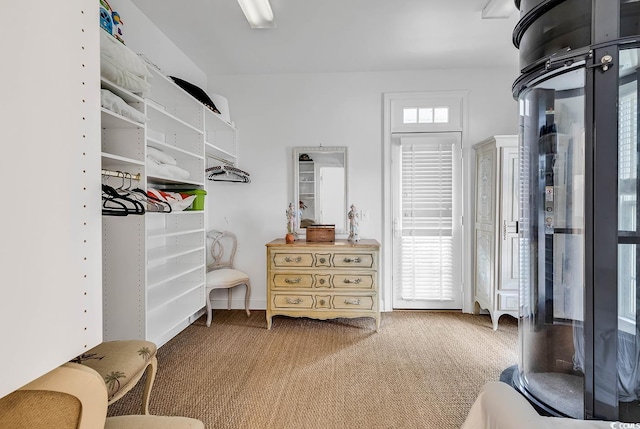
162,164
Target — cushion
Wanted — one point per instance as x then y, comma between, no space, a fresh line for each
225,277
43,409
119,363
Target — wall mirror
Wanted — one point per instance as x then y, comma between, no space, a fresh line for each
320,186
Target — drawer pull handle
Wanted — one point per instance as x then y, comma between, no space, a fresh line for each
322,301
293,281
298,259
322,260
356,281
321,281
354,260
294,301
354,301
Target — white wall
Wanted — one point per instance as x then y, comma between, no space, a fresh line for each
143,37
276,112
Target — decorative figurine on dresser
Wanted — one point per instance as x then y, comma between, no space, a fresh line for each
291,219
354,220
323,280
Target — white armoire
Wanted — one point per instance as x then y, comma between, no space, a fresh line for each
496,227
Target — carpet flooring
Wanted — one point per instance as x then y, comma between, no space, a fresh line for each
422,370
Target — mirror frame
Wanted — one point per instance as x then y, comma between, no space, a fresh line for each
296,177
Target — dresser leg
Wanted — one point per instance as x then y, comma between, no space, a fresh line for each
269,320
377,324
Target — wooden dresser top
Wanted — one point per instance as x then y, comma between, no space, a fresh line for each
338,244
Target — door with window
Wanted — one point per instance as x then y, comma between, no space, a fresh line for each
427,229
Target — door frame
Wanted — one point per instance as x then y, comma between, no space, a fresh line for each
461,97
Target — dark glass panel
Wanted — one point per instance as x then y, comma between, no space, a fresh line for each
552,243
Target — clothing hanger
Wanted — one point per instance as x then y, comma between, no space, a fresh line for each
153,204
227,173
125,194
112,206
117,202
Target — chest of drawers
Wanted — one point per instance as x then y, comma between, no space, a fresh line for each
323,280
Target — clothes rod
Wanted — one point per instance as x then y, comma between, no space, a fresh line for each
224,161
121,174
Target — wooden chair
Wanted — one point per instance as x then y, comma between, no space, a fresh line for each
221,273
74,396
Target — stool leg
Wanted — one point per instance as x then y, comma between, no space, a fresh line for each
246,298
148,384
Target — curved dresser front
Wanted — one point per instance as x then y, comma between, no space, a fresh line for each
323,280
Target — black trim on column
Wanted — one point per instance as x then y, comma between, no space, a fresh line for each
526,21
601,262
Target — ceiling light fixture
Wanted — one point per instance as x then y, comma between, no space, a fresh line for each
258,13
498,9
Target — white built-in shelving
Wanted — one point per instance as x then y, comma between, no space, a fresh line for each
221,139
154,264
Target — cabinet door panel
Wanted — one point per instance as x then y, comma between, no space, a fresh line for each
485,187
509,265
484,265
509,198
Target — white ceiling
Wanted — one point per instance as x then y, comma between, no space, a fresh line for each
316,36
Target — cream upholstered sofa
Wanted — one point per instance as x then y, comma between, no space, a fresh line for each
500,406
74,396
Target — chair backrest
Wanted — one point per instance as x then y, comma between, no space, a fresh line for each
71,395
221,249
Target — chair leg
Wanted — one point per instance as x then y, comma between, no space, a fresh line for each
148,384
229,299
246,298
209,308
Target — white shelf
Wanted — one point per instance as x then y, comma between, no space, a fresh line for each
214,122
158,122
180,213
168,233
113,120
174,100
163,274
121,92
162,253
124,161
164,320
159,180
169,291
175,151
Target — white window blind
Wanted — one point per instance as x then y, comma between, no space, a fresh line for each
627,167
425,266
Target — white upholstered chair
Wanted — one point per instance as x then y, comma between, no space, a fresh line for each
221,273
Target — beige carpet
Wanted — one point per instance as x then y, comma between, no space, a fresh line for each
422,370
